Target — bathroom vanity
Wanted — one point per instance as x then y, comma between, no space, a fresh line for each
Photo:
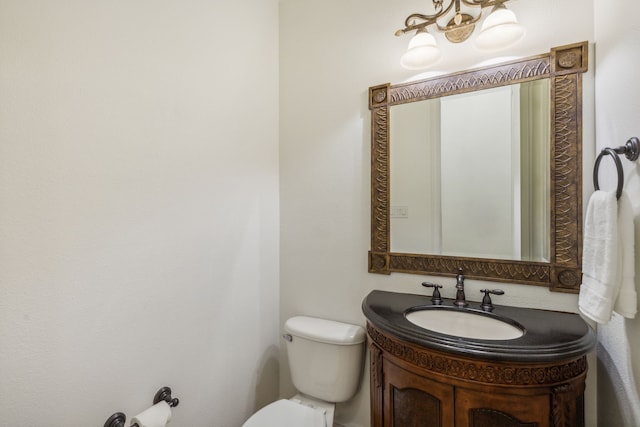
455,365
420,377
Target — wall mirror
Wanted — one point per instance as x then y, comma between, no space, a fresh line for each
482,170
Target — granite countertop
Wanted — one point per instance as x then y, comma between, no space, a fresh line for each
548,335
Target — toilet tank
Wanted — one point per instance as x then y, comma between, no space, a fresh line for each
325,357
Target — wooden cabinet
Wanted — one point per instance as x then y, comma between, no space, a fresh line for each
414,400
413,386
501,409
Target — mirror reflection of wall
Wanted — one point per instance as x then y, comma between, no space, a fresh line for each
415,177
470,174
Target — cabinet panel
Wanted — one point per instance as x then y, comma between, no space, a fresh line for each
414,401
478,409
492,418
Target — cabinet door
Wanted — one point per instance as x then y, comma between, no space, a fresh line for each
478,409
414,401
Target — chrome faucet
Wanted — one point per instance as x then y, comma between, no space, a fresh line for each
461,300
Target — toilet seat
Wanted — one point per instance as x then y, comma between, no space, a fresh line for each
286,412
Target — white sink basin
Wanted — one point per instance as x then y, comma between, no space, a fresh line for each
464,324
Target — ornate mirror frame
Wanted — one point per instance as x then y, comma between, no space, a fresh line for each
563,66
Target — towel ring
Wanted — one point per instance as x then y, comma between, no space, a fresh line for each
616,159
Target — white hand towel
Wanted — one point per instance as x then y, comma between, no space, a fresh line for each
600,258
627,301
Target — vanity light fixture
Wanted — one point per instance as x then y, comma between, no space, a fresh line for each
499,30
422,52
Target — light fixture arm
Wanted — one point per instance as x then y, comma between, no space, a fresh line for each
439,12
418,21
483,3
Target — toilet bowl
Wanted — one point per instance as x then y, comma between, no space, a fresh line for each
325,361
292,412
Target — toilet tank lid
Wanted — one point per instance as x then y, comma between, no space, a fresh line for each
323,330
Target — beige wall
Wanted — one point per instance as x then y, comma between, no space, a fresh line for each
138,209
138,204
617,119
330,53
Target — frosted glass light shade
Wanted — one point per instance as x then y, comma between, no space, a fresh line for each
499,30
422,52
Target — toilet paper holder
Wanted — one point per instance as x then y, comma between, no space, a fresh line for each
118,419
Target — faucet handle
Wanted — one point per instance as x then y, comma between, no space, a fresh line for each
436,299
487,305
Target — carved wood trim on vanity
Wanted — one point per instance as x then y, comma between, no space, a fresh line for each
568,405
564,67
474,370
376,399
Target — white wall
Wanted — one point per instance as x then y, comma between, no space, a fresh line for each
138,209
617,119
479,165
331,52
139,188
414,171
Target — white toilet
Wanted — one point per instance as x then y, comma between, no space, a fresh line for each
325,360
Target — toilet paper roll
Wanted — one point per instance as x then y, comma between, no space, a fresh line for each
158,415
